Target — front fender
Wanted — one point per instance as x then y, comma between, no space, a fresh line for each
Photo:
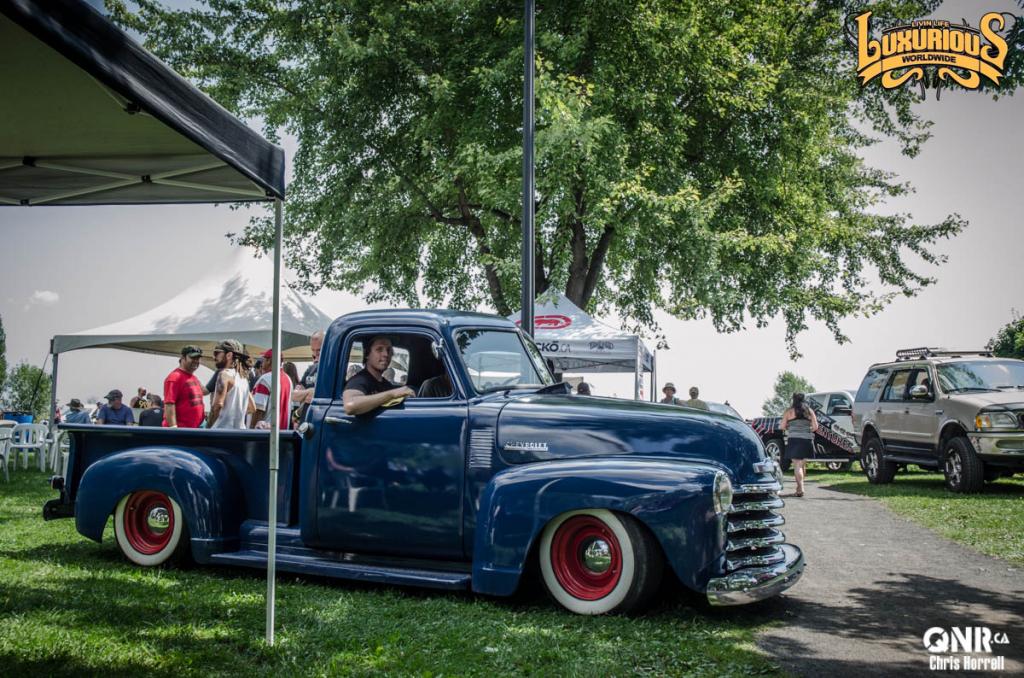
673,499
202,484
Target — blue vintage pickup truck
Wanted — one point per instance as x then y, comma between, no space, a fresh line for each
501,474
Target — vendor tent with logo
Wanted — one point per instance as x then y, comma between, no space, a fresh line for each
89,117
236,302
576,342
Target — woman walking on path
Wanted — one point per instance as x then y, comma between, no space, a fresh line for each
799,423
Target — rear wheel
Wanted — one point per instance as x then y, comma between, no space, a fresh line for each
595,562
150,529
877,470
775,450
964,471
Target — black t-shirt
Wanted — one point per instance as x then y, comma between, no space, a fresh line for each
154,416
309,376
364,382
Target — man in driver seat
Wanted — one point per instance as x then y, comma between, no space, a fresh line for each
368,389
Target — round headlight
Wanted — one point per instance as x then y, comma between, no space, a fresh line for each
722,495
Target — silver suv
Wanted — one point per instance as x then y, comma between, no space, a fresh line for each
961,411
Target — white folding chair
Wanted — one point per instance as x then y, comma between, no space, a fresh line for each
60,449
5,450
29,438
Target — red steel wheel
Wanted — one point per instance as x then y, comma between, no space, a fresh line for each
594,561
148,526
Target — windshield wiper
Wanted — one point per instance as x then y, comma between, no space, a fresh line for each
969,388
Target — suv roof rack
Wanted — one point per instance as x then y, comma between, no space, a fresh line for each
926,352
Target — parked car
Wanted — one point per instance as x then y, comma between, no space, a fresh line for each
958,411
834,444
506,474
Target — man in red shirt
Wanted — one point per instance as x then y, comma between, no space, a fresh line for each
261,396
183,394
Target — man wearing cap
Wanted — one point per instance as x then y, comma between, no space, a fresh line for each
261,395
669,389
183,394
76,413
231,403
695,402
114,413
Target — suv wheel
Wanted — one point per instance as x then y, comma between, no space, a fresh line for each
840,466
963,470
877,470
773,448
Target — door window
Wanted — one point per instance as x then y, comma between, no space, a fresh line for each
837,400
872,384
413,365
919,378
897,386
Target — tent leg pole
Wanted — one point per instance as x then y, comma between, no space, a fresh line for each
53,402
636,372
654,376
275,428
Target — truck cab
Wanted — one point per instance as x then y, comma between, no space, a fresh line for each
492,471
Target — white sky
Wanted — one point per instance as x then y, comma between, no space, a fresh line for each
68,269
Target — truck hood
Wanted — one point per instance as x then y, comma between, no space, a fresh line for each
1012,399
545,427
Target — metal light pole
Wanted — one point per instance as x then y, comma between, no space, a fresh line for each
526,322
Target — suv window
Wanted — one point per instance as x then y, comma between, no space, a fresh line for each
919,378
897,386
872,384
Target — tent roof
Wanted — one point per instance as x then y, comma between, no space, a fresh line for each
577,342
90,117
235,303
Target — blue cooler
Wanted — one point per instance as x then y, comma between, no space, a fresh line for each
20,417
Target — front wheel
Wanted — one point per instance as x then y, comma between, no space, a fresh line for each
595,562
964,472
150,529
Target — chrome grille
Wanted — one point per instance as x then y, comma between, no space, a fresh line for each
752,539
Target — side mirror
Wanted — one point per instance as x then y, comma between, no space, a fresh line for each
920,392
437,348
842,411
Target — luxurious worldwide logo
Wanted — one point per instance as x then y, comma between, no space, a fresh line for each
958,51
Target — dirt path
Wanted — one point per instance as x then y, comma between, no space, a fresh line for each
875,582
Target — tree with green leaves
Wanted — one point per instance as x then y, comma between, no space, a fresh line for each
786,384
700,157
28,390
1009,341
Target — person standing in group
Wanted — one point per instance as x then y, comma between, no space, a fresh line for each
799,423
183,394
261,396
303,394
139,399
114,413
695,402
232,402
154,414
669,389
76,413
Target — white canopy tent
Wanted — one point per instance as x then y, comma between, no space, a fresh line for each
576,342
89,117
236,302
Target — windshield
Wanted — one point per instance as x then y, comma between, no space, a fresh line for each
724,408
501,359
981,375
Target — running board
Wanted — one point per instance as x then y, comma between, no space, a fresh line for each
323,567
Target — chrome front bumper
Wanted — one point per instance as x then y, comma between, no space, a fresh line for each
752,584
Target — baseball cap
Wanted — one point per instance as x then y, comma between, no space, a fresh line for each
191,351
75,403
232,345
114,395
268,354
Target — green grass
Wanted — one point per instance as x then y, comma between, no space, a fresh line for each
991,522
69,606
